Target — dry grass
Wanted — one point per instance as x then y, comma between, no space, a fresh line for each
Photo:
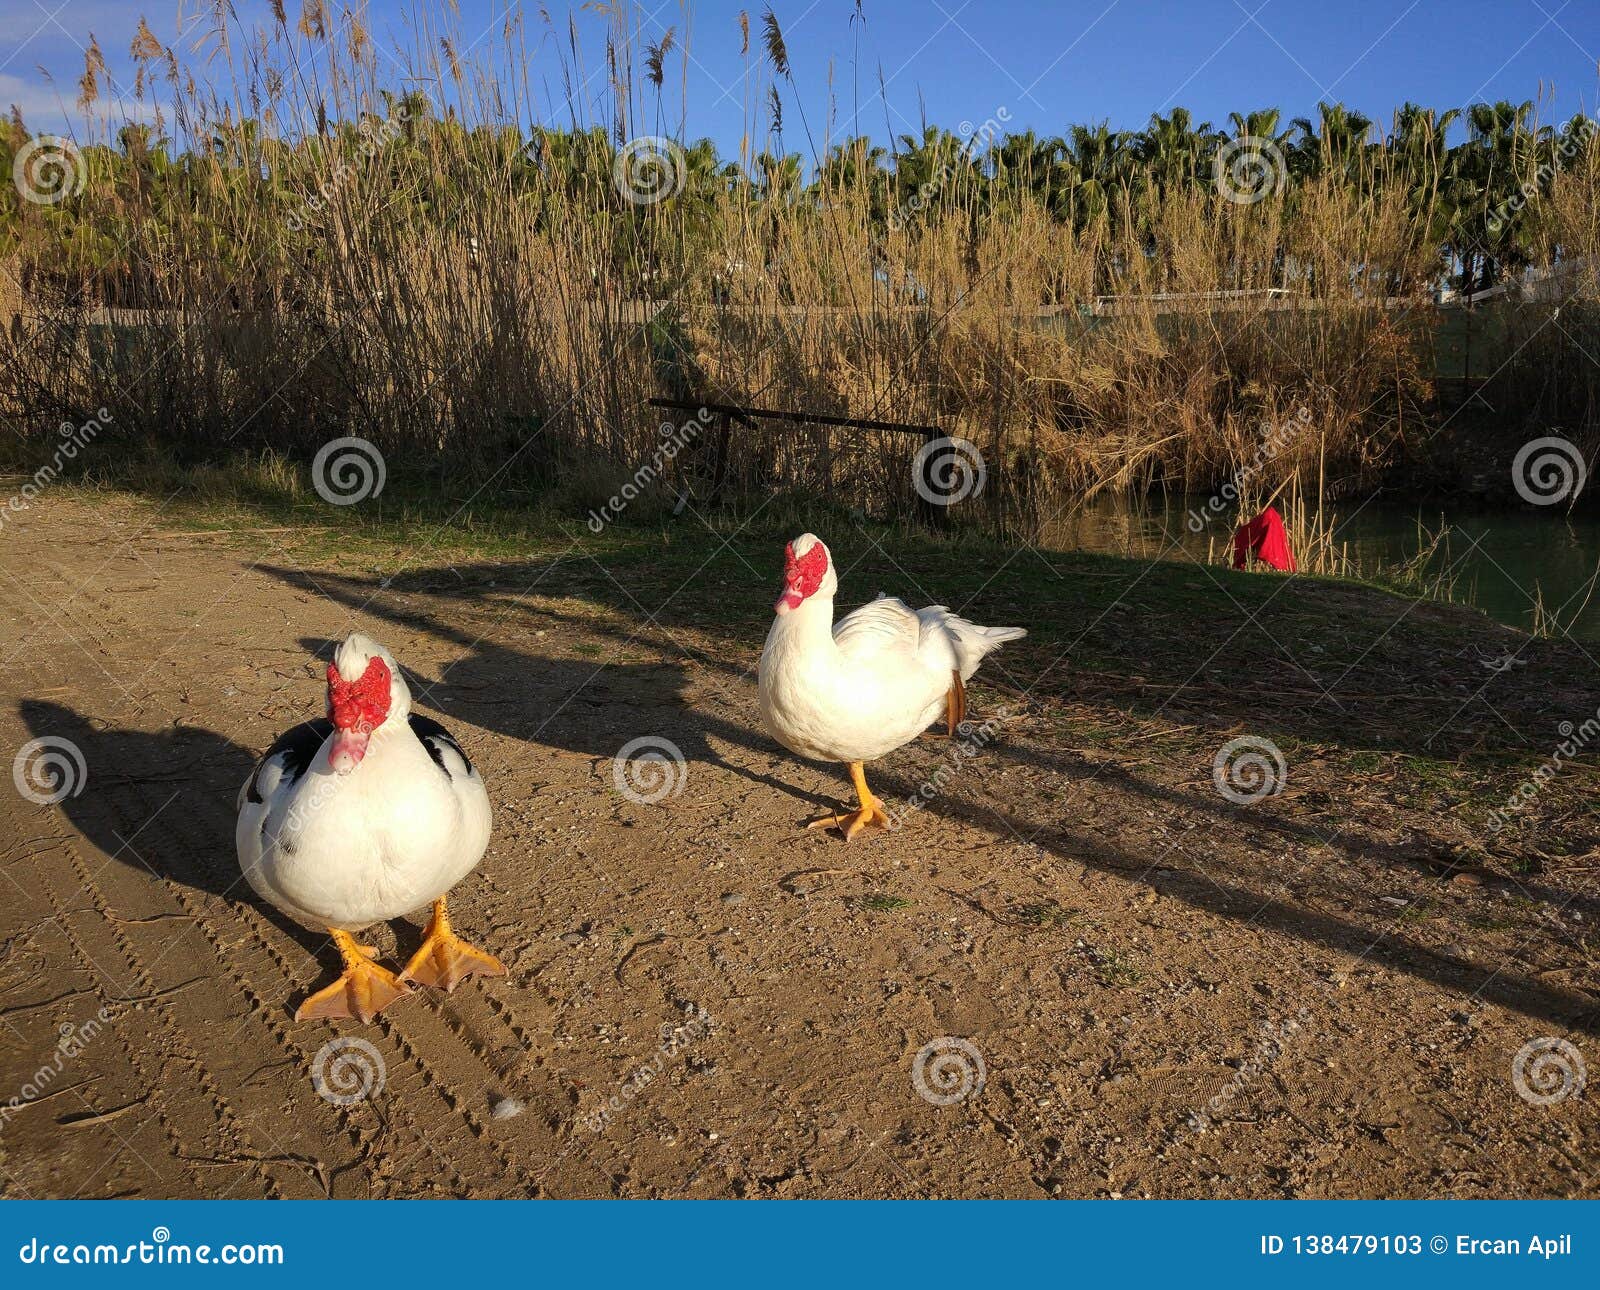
341,261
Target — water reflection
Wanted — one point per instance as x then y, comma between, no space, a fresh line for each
1505,558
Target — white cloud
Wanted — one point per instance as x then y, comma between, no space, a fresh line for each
52,109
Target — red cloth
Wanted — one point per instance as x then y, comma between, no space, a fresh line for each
1265,538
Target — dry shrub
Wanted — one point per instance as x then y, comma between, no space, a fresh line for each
483,304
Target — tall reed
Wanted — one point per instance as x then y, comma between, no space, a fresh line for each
408,245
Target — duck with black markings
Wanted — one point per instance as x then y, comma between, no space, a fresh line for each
363,816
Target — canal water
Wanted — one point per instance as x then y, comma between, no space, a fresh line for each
1502,559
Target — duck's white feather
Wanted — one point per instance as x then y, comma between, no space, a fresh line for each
858,690
346,851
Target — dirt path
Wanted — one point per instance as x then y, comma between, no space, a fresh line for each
1141,987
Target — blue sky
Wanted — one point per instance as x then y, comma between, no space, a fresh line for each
1040,65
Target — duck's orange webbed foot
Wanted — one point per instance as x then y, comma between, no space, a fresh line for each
871,814
363,989
444,960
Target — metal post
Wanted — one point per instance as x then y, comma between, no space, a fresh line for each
719,476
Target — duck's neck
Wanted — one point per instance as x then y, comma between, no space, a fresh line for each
809,627
388,749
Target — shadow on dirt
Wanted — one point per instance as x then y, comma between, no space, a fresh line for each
164,803
603,706
587,706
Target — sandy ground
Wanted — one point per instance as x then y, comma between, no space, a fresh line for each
1081,971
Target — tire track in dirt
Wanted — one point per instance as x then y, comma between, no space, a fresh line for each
226,921
1104,995
186,1016
167,1103
224,1049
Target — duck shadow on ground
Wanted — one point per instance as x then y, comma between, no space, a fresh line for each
491,687
593,707
1258,899
164,804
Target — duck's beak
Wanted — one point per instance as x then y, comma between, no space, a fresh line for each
790,600
347,750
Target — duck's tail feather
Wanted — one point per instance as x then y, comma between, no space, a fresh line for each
970,641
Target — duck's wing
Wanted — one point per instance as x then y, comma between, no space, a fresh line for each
285,763
884,629
444,748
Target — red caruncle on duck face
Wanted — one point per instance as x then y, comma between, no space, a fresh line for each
356,708
802,575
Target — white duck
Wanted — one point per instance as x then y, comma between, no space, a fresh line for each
856,691
361,817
